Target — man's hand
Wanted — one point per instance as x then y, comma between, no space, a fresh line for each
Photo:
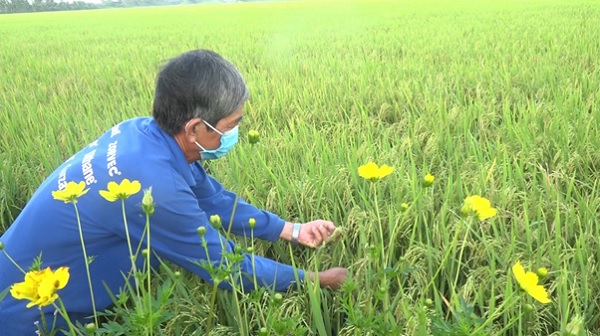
313,234
332,278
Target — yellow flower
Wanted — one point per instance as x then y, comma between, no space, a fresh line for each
529,283
481,206
373,173
40,287
71,192
120,191
428,180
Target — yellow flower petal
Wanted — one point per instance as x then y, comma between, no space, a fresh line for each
111,197
113,187
372,172
71,192
528,281
486,213
23,290
130,188
62,276
518,271
120,191
367,171
53,282
539,293
385,170
43,301
481,206
40,287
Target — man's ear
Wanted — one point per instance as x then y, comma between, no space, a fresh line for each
191,129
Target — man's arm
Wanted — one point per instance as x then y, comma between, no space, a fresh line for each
311,234
175,237
216,200
268,226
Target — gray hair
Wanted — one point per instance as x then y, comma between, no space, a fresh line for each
197,84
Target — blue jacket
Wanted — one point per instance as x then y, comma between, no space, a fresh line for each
184,194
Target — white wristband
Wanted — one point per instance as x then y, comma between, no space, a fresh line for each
295,233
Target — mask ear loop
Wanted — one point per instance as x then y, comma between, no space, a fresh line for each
214,129
196,142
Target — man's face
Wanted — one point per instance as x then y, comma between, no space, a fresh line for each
210,139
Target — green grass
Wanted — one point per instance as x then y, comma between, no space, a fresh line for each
498,98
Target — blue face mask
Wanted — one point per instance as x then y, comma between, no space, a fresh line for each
228,140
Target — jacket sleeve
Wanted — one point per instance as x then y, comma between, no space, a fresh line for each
216,200
174,237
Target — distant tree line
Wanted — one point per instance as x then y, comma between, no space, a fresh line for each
25,6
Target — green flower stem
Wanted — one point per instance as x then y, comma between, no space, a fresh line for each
131,255
235,203
460,254
44,322
405,214
87,263
448,251
252,257
63,312
205,245
215,287
386,298
148,273
238,305
496,312
213,301
381,241
13,261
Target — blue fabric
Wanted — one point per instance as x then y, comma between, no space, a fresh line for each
184,194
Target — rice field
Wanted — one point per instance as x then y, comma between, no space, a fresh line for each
494,98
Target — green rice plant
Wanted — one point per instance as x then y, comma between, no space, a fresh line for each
497,99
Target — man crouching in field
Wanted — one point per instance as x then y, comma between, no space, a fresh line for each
198,105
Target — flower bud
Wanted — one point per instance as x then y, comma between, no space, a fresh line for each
237,249
177,274
403,207
253,137
277,298
201,230
573,328
215,221
250,249
428,180
263,331
90,327
528,308
145,253
542,272
148,202
1,246
429,303
252,223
